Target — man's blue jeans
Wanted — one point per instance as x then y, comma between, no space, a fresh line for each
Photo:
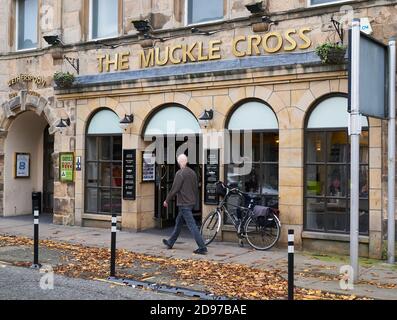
185,213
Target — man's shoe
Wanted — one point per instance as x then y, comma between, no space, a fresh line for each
201,251
167,244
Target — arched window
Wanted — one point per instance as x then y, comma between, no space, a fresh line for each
327,169
172,120
251,151
103,164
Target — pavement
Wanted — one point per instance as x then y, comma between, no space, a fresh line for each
378,280
28,284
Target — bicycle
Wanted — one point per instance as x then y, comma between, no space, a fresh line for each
262,233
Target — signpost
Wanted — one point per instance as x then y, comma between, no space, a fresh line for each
355,132
392,154
372,85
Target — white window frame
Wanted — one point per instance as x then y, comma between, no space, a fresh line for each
17,29
333,2
199,23
90,30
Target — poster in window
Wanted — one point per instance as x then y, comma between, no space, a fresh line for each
211,172
22,165
66,167
148,167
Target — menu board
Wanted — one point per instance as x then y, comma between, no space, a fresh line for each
148,167
129,174
211,176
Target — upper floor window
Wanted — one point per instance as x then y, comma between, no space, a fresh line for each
200,11
104,18
26,24
324,2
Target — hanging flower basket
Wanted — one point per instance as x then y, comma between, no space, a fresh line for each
331,53
63,79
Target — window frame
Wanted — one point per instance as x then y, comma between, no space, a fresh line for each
17,27
332,2
98,162
204,22
120,15
262,163
326,163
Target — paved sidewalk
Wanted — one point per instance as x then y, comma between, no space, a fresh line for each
318,272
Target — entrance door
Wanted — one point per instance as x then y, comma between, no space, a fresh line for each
48,173
165,174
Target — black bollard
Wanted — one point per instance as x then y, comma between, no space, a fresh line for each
36,208
291,264
113,247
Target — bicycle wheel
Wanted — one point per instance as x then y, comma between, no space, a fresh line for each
211,227
263,236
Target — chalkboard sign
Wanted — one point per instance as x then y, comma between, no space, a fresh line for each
211,177
129,174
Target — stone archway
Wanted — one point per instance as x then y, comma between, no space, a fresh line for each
27,101
23,121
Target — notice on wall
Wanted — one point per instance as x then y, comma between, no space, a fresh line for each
22,165
66,167
129,174
148,167
211,177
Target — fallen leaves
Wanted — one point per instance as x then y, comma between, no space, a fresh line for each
222,279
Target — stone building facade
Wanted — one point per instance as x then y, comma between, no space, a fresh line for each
221,65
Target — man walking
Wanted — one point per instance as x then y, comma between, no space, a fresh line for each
185,188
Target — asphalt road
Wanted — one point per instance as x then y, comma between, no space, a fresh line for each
24,284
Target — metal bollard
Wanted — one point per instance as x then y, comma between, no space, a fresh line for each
36,208
113,247
291,251
36,264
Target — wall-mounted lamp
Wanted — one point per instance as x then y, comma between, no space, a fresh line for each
256,8
142,26
127,121
145,29
63,123
55,40
206,117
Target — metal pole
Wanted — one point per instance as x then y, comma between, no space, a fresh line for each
291,251
36,238
355,132
113,247
392,154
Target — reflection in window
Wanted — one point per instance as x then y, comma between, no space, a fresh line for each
200,11
262,178
104,18
27,13
103,168
327,180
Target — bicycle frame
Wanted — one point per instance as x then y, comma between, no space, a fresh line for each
237,223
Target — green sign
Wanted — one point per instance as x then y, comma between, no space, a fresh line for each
66,167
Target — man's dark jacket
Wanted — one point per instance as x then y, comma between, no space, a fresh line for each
185,188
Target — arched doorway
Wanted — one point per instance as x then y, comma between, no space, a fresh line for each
27,164
173,130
